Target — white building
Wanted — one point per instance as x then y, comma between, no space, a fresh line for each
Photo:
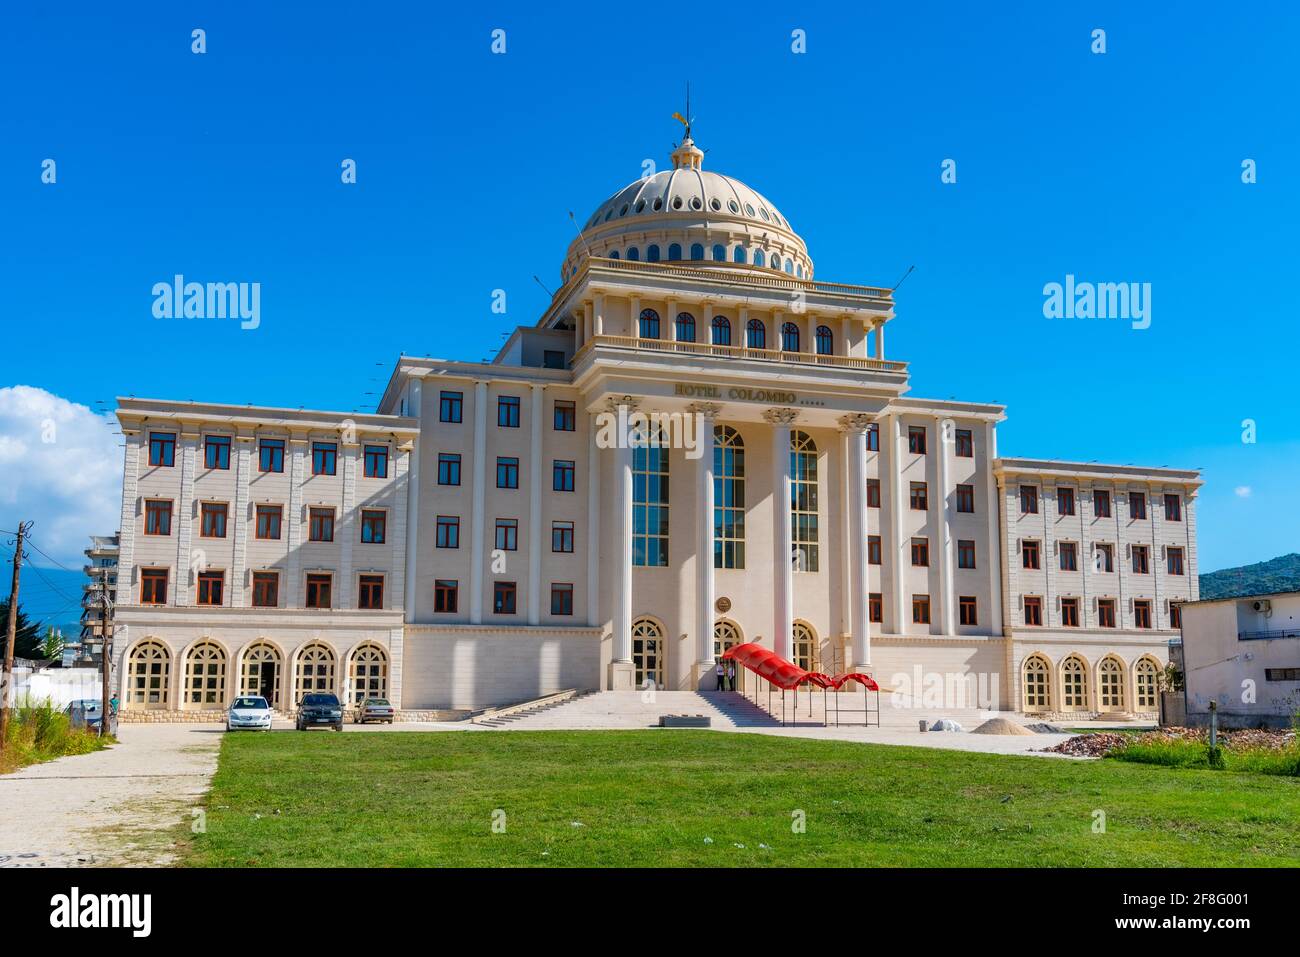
491,535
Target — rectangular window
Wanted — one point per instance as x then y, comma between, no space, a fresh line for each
561,599
921,551
445,592
374,526
967,610
1105,558
319,588
1175,615
805,530
1282,674
1028,500
1140,564
873,493
919,497
270,455
650,506
873,549
503,598
216,452
562,476
376,461
507,534
1142,614
1029,554
1101,503
1033,610
1105,612
1069,613
321,525
153,586
966,498
965,444
562,536
157,517
324,458
566,417
1065,501
266,589
507,472
212,519
268,521
162,448
450,406
210,587
508,411
370,592
921,609
448,533
1069,557
1137,505
873,437
1173,508
965,553
552,358
916,439
875,607
1174,559
448,468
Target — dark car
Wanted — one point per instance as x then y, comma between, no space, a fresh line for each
315,710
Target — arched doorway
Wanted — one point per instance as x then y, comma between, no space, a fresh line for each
314,672
1110,685
1074,684
1146,685
804,647
1036,685
648,653
205,677
148,676
367,674
260,673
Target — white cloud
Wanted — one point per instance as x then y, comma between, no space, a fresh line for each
61,468
1242,491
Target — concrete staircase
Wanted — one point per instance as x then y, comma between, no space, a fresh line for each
505,717
631,709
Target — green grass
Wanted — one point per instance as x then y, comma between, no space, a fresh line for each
646,798
40,732
1196,754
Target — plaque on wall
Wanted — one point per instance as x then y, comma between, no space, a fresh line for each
723,604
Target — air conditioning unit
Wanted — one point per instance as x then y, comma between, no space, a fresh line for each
1263,605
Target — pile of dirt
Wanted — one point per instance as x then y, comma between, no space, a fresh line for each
1090,745
1001,726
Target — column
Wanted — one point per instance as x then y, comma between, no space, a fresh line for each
593,524
997,555
945,431
671,332
535,507
243,459
859,618
293,597
783,547
706,414
415,407
598,315
186,556
127,582
845,329
880,339
347,530
621,671
476,515
898,551
635,316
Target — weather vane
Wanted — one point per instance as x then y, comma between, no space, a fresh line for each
688,119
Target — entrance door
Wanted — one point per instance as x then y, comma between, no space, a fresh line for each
266,681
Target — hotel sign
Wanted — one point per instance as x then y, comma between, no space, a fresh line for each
737,393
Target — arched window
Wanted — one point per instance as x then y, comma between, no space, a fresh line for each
825,341
674,252
314,672
755,334
260,673
697,251
804,647
1036,693
803,502
725,635
789,265
148,676
721,331
789,337
1074,685
652,253
650,497
728,498
1146,683
1110,684
720,253
647,654
685,327
205,677
613,254
738,255
648,324
799,270
759,258
633,254
367,674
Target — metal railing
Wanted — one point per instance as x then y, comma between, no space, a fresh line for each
1266,635
740,352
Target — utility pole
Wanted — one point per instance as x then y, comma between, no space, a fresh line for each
7,678
106,656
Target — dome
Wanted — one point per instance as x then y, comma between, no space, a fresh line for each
690,214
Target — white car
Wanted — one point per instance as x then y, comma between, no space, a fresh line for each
249,711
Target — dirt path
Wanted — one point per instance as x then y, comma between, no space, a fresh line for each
112,808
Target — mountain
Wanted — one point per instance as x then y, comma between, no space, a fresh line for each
1263,578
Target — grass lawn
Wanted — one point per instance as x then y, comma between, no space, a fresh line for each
641,798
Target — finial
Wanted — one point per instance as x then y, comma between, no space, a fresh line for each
687,154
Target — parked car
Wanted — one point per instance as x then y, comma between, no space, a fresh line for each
249,711
375,709
85,713
315,710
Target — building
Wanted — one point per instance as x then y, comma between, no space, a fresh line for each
101,575
1243,654
698,443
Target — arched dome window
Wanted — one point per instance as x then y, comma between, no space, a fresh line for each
648,326
685,327
719,253
799,271
789,266
697,251
613,254
755,334
738,255
674,252
652,253
759,258
721,331
789,337
825,341
633,254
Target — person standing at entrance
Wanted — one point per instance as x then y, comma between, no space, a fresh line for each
721,671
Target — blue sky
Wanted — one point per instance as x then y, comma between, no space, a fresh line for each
1117,167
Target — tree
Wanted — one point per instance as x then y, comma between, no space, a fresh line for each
52,647
27,639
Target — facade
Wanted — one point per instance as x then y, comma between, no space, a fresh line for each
1243,654
697,444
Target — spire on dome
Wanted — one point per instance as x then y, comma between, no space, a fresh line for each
687,155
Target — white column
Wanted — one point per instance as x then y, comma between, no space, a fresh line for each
347,526
671,333
844,336
621,670
899,552
535,507
706,413
783,547
476,516
880,339
593,524
127,584
996,552
598,315
944,432
185,557
292,591
635,313
859,618
243,458
415,408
